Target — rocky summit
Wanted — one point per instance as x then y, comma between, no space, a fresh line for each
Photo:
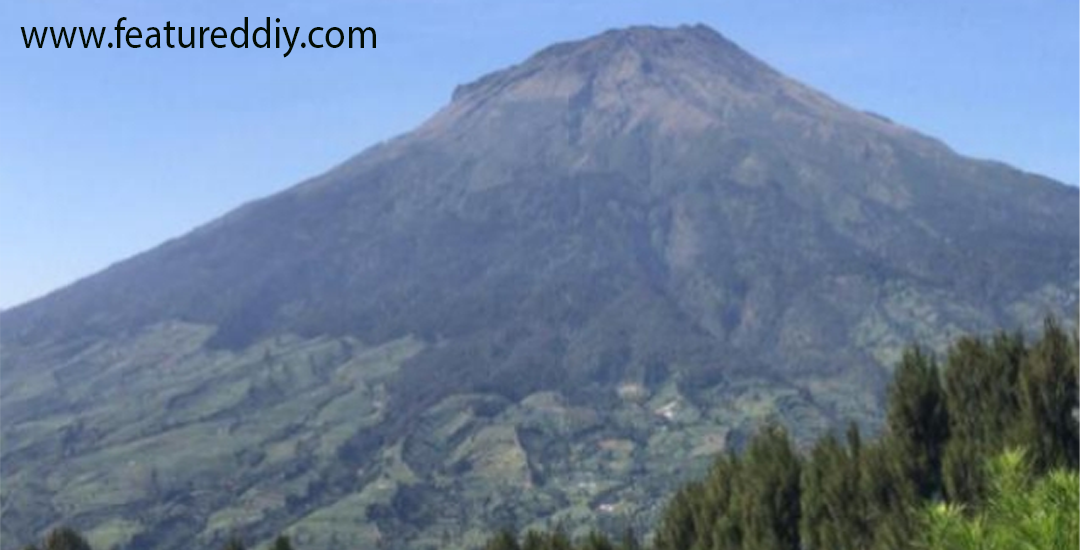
550,303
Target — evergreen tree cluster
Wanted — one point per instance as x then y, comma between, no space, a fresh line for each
558,540
944,424
62,538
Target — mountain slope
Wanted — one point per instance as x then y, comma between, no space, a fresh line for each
624,247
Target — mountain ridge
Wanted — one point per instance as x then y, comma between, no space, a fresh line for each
622,40
591,269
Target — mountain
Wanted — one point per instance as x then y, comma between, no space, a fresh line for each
550,302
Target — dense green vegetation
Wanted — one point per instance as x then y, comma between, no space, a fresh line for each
948,471
1020,512
930,481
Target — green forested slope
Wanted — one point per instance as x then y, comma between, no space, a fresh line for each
979,454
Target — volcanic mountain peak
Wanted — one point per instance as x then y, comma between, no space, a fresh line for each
441,322
661,120
656,81
636,55
677,78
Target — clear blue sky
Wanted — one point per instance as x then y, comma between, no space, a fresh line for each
105,153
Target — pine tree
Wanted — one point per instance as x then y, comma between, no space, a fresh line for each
597,541
982,397
768,493
969,386
1075,333
717,522
533,540
815,523
504,540
961,472
629,540
830,499
64,538
235,543
918,423
1048,385
559,541
676,529
888,498
282,542
861,533
1002,409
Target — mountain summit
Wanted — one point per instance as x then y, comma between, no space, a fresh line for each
555,298
582,99
685,78
675,79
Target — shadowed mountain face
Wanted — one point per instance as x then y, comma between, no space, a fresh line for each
552,300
